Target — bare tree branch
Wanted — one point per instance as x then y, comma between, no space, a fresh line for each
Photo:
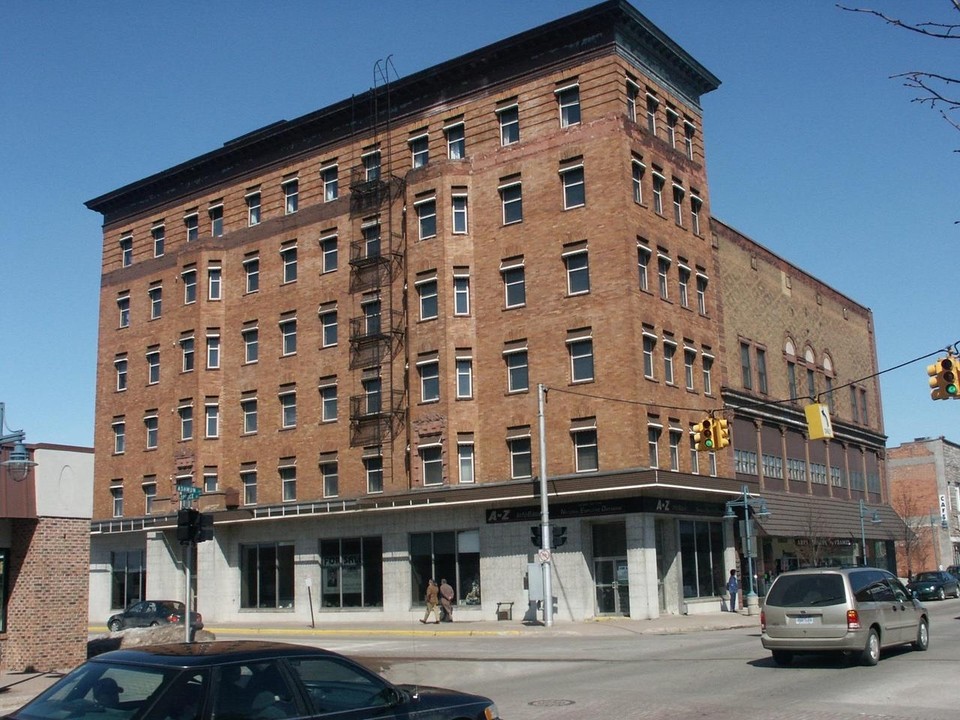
942,31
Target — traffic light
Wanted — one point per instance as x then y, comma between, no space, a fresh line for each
536,535
188,523
704,437
559,535
205,528
943,378
722,432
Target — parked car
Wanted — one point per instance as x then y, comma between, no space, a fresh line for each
856,611
241,680
149,613
935,584
954,570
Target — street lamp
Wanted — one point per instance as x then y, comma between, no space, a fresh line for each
875,519
759,506
19,463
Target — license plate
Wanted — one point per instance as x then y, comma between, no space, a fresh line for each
804,621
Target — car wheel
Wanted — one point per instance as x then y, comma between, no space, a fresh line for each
114,626
941,595
782,657
923,636
871,650
154,624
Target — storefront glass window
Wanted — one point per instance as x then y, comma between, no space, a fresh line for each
351,572
701,555
128,578
451,555
266,575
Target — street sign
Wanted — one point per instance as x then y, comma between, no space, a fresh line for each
543,555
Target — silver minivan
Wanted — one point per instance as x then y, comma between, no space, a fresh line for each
857,611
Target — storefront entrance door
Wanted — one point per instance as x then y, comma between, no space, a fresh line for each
613,586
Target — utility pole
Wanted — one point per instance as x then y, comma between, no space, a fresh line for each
545,555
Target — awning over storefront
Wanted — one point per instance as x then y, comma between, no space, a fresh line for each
803,516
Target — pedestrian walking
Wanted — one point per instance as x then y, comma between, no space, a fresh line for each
733,587
432,598
446,600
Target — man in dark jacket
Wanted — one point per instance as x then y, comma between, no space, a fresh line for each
446,600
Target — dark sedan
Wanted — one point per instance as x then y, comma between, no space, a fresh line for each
241,680
935,584
150,613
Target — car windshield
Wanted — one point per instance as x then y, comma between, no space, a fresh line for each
101,691
806,591
927,576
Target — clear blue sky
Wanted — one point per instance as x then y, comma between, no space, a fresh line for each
812,150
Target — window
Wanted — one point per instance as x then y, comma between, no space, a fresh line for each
459,214
581,358
185,413
371,166
465,459
248,479
649,345
429,371
119,435
149,494
126,251
663,273
371,315
573,187
328,325
291,195
371,395
672,120
211,413
569,101
210,481
371,239
288,407
288,336
156,301
373,468
653,443
248,408
674,437
153,365
684,274
746,372
288,481
652,105
461,293
216,220
701,557
192,223
517,371
427,292
701,293
251,270
431,464
288,255
214,283
213,351
633,94
678,194
509,124
511,197
186,352
638,169
521,457
352,577
427,218
158,234
695,205
189,286
707,375
419,151
761,370
452,555
328,399
253,207
658,183
331,184
251,344
456,141
120,367
267,575
694,454
117,494
128,577
669,351
643,265
578,272
586,457
689,132
811,384
514,284
330,475
689,358
328,253
464,376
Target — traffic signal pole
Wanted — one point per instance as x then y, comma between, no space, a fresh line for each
546,559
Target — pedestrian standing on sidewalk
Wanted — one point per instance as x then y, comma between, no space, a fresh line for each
733,587
432,598
446,600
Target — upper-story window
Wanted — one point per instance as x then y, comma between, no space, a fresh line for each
427,292
638,169
689,133
580,348
456,141
659,181
253,207
153,365
663,274
695,206
673,121
746,369
515,357
291,195
419,150
251,272
514,282
584,435
701,292
428,367
327,313
328,253
459,207
156,301
213,349
288,335
158,233
678,195
643,264
568,99
576,262
684,284
120,366
330,180
633,95
511,197
371,239
426,217
288,255
652,105
126,251
189,277
216,220
574,194
192,223
371,165
214,282
461,291
509,117
119,435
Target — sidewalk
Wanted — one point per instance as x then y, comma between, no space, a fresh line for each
18,688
